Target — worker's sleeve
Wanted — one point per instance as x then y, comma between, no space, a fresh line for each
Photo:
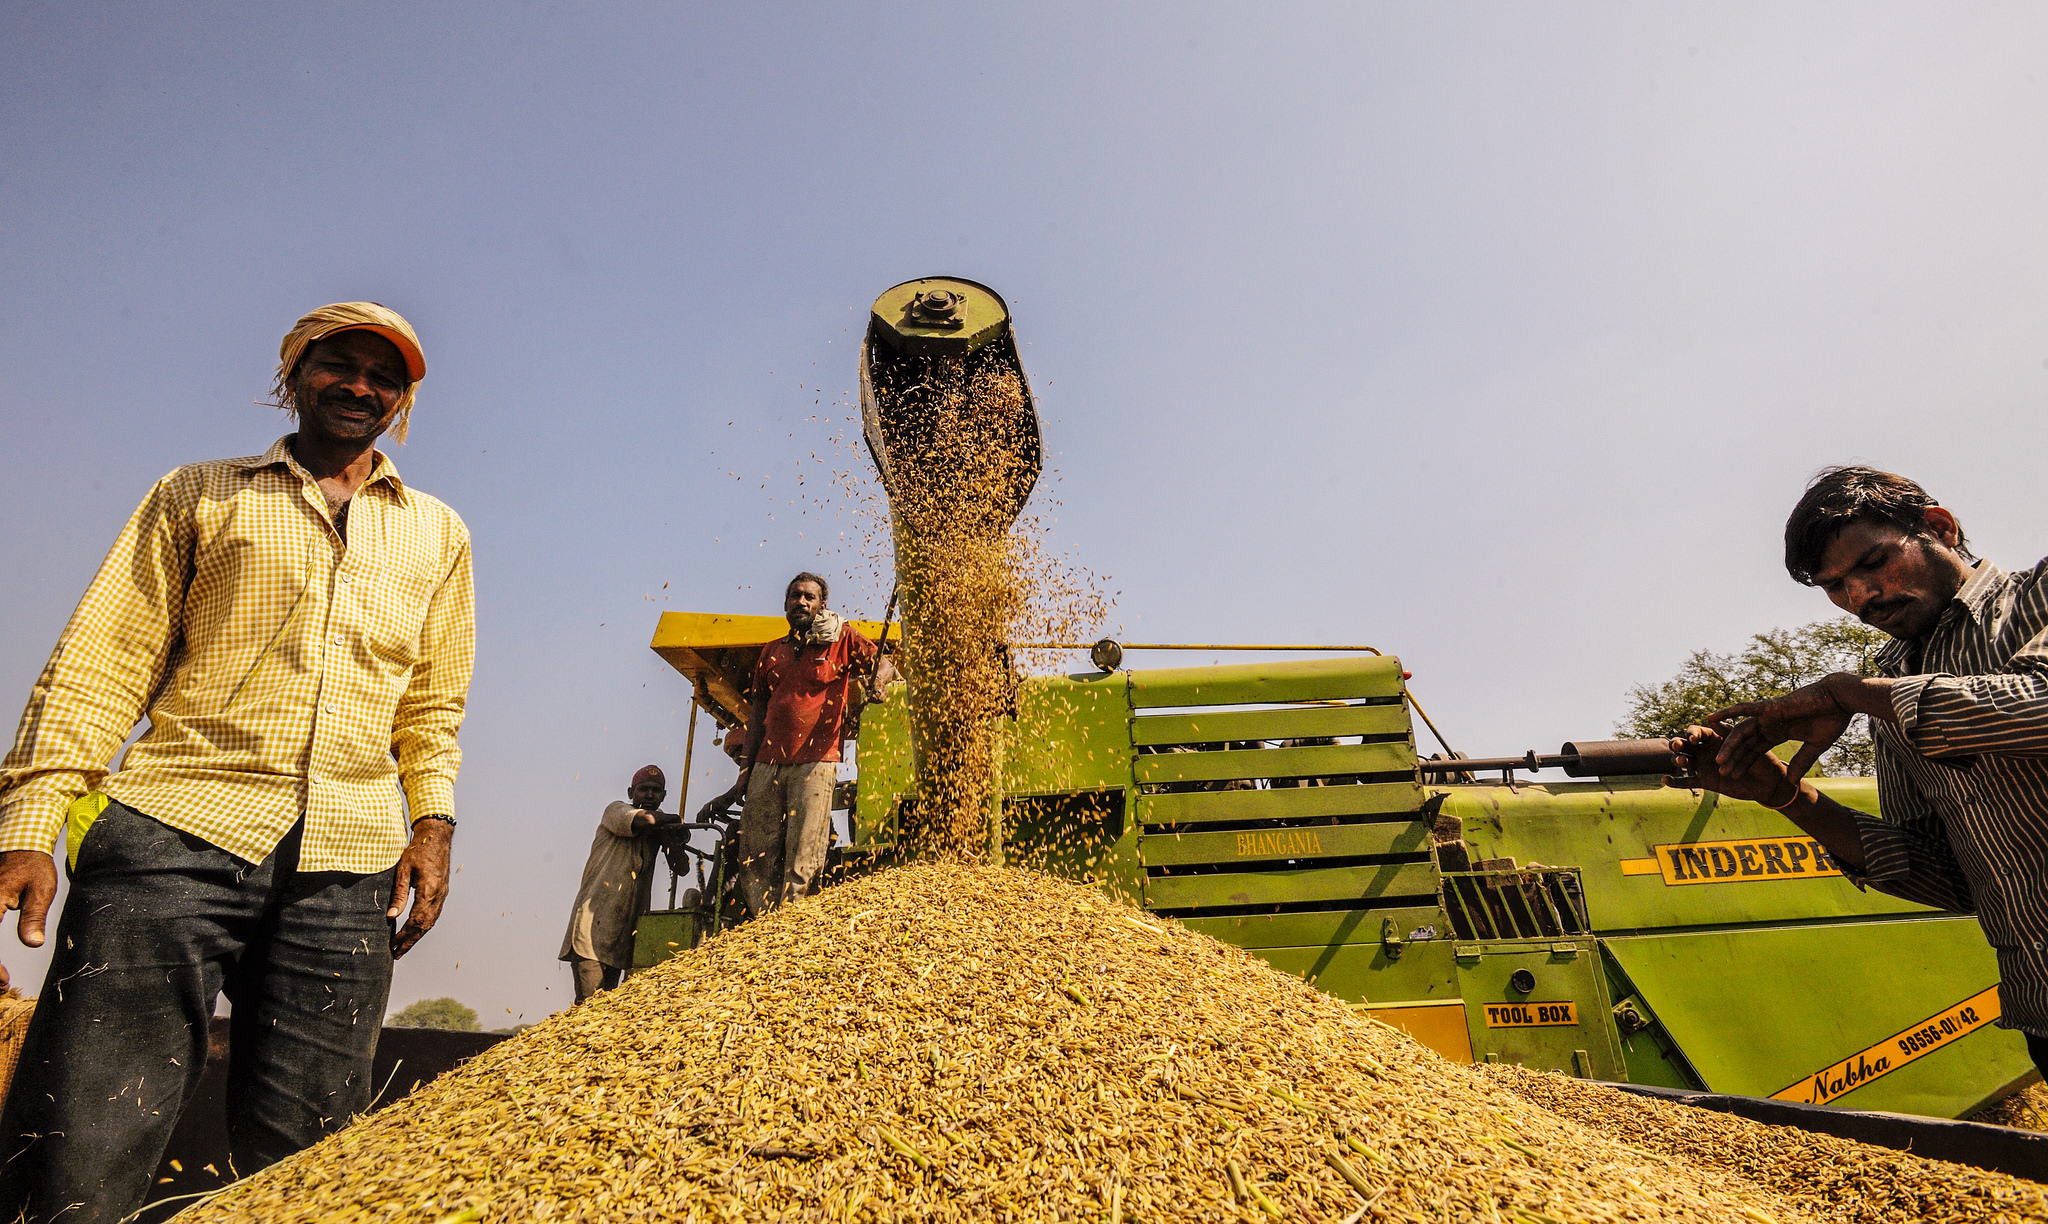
430,712
2003,713
618,818
108,663
860,649
1906,852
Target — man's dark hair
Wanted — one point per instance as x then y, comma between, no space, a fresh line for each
1839,496
824,591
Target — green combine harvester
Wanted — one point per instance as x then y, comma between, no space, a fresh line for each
1606,926
1610,927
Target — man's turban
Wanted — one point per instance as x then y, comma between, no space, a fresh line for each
650,773
355,316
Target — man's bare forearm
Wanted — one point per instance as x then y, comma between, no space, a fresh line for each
1829,823
1870,695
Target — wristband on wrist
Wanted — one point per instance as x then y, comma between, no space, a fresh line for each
447,820
1797,790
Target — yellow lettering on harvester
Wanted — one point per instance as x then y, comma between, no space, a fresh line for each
1282,843
1936,1032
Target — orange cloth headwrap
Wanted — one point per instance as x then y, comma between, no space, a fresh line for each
356,316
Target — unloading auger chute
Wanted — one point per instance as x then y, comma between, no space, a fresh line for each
927,342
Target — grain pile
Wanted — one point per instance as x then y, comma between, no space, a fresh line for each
957,427
1835,1179
15,1013
948,1043
2026,1109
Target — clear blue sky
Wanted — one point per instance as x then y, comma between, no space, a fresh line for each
1501,336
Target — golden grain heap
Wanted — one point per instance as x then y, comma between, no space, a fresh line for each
2026,1109
15,1013
947,1043
958,430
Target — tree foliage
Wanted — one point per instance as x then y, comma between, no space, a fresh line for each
442,1013
1770,665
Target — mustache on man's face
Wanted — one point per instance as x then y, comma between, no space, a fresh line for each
1878,610
342,399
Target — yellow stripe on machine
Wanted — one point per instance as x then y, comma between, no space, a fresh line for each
1937,1031
1746,860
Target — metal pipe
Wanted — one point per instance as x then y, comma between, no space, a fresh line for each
1616,757
1186,646
1441,742
683,799
1593,758
1484,764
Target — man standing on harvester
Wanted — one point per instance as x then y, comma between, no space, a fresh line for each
618,879
801,691
298,629
1959,718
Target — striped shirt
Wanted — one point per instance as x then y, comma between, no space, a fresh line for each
1962,778
286,672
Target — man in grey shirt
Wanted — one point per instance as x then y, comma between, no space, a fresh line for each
1959,718
617,880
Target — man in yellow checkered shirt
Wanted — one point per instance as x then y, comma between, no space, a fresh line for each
298,629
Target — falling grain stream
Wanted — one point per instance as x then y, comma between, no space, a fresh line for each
955,422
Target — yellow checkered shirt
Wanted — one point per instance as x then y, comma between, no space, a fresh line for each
283,671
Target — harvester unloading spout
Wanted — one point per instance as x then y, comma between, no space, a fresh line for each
949,418
929,343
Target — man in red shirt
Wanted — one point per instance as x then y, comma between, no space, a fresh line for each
801,686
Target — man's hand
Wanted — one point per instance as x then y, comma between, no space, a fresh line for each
885,674
28,882
422,872
1696,757
1816,716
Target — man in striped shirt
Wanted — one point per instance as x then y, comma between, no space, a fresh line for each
297,628
1959,717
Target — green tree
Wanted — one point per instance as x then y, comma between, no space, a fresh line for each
1770,665
442,1013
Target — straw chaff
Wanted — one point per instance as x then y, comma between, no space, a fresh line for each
1835,1179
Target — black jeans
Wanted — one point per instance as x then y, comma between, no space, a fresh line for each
158,924
2037,1049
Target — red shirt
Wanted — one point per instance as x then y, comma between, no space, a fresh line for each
806,687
